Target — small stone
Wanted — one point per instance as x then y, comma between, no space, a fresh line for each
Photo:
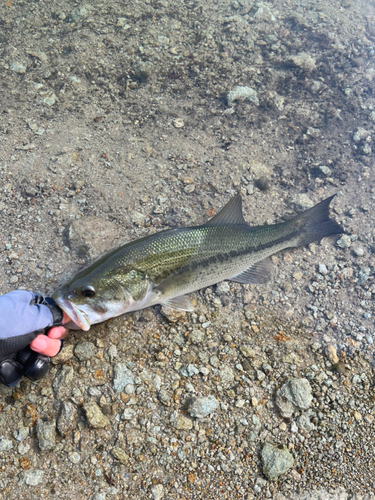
5,444
62,383
357,416
65,354
358,251
46,433
189,188
18,67
22,433
196,336
294,395
66,421
305,423
181,422
226,375
303,61
33,477
344,241
157,491
23,448
276,460
302,201
74,457
241,94
122,377
325,170
178,123
200,407
94,415
322,269
247,351
120,454
361,134
331,354
189,371
172,315
84,351
142,69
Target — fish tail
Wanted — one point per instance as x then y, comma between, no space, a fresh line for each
315,224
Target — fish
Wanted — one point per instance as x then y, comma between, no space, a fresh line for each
162,268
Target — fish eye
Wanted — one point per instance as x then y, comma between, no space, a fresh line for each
88,292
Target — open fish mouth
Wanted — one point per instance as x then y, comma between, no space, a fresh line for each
78,317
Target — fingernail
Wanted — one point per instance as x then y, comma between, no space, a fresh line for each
39,343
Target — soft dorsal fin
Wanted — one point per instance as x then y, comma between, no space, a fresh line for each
230,214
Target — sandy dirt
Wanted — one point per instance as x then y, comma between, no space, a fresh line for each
119,119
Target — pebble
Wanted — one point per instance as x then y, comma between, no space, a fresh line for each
62,383
196,336
181,422
325,170
172,315
226,375
247,351
84,351
18,67
200,407
120,454
294,395
178,123
331,354
22,433
240,93
66,421
277,460
5,444
189,371
65,354
122,377
303,61
74,457
302,201
46,434
358,251
33,477
157,491
94,416
344,241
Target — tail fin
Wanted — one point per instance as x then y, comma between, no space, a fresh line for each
315,224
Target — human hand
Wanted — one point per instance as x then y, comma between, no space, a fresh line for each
23,317
50,344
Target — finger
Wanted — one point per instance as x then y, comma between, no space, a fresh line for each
46,346
57,332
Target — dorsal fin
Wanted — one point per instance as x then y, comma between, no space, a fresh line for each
230,214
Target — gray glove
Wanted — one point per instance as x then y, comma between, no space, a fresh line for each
23,316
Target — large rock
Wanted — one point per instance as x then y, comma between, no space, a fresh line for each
276,460
294,395
92,236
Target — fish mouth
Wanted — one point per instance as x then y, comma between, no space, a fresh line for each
80,318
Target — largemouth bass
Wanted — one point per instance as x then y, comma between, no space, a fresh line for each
162,268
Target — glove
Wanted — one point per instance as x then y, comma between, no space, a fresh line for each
20,312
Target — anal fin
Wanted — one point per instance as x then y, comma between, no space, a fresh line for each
181,303
258,274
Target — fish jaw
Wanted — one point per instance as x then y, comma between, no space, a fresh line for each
78,317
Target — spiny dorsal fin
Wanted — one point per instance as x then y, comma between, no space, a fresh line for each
230,214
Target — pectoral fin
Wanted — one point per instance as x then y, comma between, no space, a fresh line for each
181,303
258,274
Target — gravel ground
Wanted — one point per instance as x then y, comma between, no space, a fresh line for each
119,119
